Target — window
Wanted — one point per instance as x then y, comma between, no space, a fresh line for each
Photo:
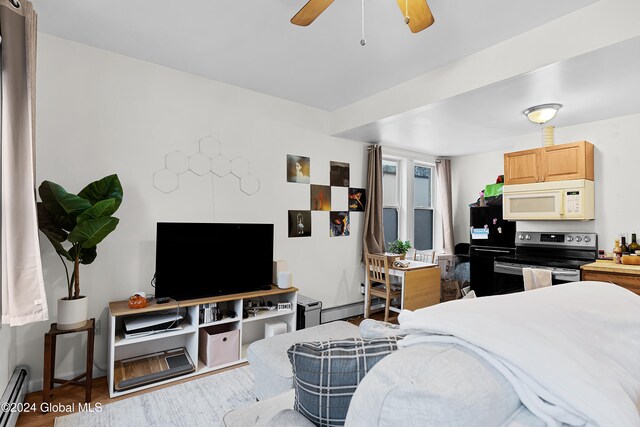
390,199
408,205
422,207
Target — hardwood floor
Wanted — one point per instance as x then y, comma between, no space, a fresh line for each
100,392
75,395
393,318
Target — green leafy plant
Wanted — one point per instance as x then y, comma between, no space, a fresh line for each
398,247
83,220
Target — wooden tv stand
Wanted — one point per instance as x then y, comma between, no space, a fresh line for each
251,329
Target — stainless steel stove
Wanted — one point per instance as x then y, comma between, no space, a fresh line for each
562,253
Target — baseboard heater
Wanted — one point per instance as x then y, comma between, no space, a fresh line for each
341,312
14,393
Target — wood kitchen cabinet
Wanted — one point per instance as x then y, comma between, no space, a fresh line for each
522,167
567,161
627,276
554,163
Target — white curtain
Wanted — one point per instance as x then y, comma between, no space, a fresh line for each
443,170
23,296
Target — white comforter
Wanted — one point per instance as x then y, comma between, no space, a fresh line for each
571,352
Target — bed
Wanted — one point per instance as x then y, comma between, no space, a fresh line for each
562,355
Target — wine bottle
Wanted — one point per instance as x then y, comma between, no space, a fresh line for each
623,245
633,246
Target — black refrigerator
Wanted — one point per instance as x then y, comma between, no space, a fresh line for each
490,237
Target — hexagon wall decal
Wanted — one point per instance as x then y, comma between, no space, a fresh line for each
239,167
249,185
210,147
199,164
208,160
177,162
165,180
220,165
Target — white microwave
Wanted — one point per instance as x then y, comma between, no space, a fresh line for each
557,200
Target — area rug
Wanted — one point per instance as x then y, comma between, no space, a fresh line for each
201,402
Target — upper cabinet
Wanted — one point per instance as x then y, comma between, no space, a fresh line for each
567,161
554,163
522,167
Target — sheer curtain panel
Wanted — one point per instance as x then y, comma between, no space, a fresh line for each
23,295
443,170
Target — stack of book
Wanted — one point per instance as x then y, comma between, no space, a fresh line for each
208,313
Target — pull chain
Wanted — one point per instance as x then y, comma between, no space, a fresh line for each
363,41
406,12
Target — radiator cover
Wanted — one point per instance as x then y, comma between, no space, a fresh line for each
14,393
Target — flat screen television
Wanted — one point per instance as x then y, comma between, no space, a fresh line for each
195,260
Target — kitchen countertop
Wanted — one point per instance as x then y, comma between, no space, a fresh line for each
607,266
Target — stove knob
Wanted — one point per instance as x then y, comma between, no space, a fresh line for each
527,237
569,238
521,236
578,239
587,239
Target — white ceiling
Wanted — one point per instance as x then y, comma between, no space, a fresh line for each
594,86
251,43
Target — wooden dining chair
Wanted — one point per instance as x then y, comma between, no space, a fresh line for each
426,256
377,266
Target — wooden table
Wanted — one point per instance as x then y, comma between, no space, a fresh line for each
420,283
627,276
49,378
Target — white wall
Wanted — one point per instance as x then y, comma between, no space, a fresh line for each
100,113
616,158
469,175
8,352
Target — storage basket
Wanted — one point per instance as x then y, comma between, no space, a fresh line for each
219,344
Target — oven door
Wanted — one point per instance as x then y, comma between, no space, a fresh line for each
507,277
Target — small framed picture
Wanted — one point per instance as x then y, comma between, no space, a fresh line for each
357,199
320,197
338,224
298,169
299,223
339,175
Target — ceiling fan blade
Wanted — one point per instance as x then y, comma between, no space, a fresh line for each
420,16
310,12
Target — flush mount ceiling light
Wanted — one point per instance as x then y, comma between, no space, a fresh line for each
542,113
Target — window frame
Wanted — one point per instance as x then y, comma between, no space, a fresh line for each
399,193
418,163
405,172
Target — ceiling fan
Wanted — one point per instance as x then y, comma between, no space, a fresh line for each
417,14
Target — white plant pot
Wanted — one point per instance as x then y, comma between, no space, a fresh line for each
72,313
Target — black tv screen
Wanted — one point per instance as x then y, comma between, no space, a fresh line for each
195,260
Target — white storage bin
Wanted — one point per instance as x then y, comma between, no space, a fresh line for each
272,329
219,344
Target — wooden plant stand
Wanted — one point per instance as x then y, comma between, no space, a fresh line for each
50,362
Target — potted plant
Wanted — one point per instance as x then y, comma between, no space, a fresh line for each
83,221
398,247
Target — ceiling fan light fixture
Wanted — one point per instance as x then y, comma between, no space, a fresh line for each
542,113
416,13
